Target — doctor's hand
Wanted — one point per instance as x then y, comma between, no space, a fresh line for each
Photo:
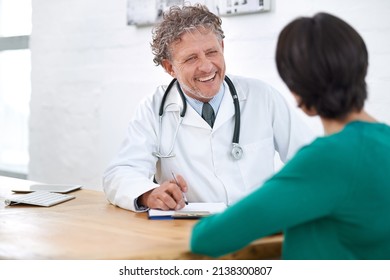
168,195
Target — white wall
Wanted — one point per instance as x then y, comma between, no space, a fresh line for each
89,71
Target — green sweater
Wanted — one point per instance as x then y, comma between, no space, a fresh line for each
331,201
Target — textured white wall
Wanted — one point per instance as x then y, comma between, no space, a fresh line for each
89,71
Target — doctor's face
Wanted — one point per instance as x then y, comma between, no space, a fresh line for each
198,64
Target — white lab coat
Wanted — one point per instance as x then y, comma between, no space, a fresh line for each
203,155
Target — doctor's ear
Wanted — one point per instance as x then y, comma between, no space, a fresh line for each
167,65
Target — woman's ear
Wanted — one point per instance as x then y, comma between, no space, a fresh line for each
167,65
308,111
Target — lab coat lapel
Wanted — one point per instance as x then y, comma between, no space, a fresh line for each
192,118
226,110
174,103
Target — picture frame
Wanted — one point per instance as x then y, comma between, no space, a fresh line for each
146,13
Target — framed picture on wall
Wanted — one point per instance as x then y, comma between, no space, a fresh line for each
144,13
236,7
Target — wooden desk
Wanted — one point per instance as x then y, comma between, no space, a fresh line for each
89,227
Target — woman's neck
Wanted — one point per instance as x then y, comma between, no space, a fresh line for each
332,126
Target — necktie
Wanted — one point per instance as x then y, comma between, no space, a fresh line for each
208,114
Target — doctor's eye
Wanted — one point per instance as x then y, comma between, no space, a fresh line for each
190,59
212,53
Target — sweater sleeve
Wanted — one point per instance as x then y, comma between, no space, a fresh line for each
305,189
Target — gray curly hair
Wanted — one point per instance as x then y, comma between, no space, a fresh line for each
178,20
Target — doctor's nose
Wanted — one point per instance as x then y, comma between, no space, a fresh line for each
205,65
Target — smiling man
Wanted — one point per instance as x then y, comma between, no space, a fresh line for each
217,133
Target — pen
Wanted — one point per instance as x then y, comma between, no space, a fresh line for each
184,195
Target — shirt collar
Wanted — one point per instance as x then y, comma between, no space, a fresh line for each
215,102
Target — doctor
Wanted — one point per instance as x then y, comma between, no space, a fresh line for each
172,153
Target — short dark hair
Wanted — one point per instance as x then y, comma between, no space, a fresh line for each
324,61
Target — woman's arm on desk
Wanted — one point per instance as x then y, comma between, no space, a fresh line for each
300,192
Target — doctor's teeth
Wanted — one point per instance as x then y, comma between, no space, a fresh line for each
206,78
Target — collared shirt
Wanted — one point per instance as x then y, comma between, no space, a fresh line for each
215,102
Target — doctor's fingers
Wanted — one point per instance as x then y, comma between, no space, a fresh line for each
167,196
163,206
182,183
166,202
174,191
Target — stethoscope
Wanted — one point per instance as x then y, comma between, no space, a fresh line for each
236,151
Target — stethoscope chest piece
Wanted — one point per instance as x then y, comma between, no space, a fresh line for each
237,151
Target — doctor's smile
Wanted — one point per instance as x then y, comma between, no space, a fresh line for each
207,79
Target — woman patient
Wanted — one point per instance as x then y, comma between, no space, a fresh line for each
332,200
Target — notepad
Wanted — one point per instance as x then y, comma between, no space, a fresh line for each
190,211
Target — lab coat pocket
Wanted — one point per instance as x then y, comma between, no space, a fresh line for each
257,163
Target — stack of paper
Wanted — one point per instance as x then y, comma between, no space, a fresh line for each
190,211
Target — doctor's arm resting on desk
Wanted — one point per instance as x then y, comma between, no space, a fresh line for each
220,154
330,200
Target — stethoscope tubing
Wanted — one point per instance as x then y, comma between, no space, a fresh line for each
183,99
237,113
